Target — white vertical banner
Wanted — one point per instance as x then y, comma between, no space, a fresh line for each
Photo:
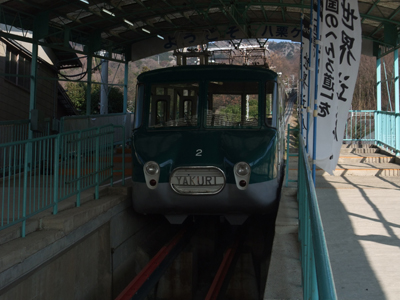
339,62
314,69
305,79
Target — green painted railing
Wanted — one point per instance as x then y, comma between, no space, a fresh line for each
70,123
288,155
11,131
39,173
18,130
317,276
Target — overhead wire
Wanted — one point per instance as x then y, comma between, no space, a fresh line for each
82,74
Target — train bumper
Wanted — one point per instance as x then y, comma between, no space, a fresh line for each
258,198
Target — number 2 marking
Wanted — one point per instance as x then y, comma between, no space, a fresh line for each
199,152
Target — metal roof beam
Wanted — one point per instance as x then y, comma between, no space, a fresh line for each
390,18
227,12
371,9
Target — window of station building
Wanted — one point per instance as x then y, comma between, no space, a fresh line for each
18,67
233,105
173,105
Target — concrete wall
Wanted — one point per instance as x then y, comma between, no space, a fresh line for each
90,252
81,272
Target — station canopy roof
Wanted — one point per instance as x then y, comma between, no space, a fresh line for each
133,29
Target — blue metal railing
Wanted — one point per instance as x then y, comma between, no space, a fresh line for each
388,130
377,127
360,126
317,276
39,173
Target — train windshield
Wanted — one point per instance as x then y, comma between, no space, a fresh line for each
269,93
232,104
228,104
173,105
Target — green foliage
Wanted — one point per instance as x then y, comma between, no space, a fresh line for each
77,93
115,100
253,109
145,69
234,110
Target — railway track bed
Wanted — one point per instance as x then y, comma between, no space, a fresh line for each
208,259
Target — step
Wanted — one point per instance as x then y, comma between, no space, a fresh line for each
354,168
365,158
55,227
119,150
364,169
128,172
35,223
118,159
359,150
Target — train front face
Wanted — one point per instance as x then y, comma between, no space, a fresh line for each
206,146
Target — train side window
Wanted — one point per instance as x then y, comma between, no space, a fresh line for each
269,102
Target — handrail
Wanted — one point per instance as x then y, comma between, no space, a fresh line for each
371,126
125,120
36,174
13,130
18,130
318,282
288,155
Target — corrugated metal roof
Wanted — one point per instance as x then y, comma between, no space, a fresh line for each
118,26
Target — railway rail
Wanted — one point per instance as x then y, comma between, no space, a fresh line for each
141,286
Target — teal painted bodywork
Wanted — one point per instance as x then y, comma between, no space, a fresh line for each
220,148
207,72
174,147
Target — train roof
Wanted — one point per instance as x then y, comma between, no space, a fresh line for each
209,72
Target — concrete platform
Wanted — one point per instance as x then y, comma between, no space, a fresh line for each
360,216
284,273
360,211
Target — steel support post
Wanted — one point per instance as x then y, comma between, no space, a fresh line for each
316,95
300,103
378,101
104,87
89,84
32,97
309,75
32,101
126,87
396,99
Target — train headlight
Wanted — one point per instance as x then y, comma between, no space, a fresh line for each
242,173
151,168
151,172
242,169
